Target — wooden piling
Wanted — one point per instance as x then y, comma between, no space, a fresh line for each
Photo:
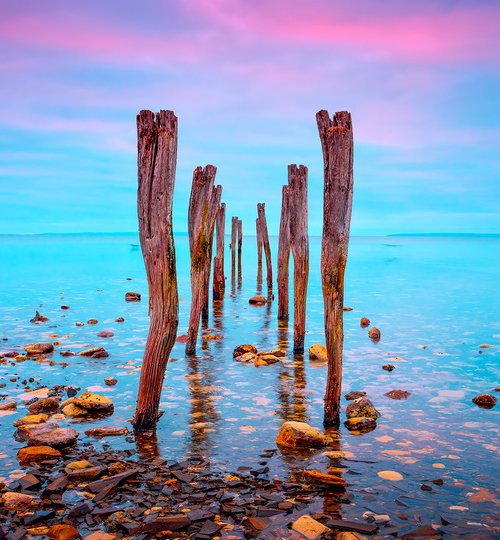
157,158
203,208
219,283
240,242
283,256
261,211
337,144
259,256
234,239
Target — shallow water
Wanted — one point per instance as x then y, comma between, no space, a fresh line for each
435,300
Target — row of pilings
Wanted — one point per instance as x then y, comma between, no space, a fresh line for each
157,157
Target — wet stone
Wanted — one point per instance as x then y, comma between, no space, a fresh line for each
485,401
44,405
364,322
300,434
388,367
374,334
33,454
398,394
132,297
243,349
59,437
318,352
361,408
258,300
39,348
355,394
95,352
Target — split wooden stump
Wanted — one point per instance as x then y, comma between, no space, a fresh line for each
264,237
337,144
203,208
157,158
219,283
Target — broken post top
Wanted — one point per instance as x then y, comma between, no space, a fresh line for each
297,169
340,119
162,119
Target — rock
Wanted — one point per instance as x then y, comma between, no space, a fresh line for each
72,390
300,434
74,411
25,431
119,319
77,465
318,352
388,367
360,424
43,347
485,401
92,321
34,454
16,501
44,405
132,297
38,318
374,334
355,394
181,339
347,308
8,406
318,477
484,346
398,394
94,402
269,358
247,357
95,352
63,532
110,381
242,349
79,323
117,468
173,522
309,527
107,431
361,408
106,334
259,362
31,419
364,322
390,475
347,536
100,535
58,437
64,306
258,300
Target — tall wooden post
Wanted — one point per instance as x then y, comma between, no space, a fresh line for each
337,143
261,210
240,241
203,207
259,256
157,159
283,256
219,280
299,240
234,239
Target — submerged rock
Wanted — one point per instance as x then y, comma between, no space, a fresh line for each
388,367
318,352
300,434
58,437
42,347
486,401
360,424
34,454
398,394
38,318
95,352
94,402
106,334
374,334
361,408
355,394
321,478
132,297
92,321
242,349
364,322
107,431
258,300
119,319
110,381
8,406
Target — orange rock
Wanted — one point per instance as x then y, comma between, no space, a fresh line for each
364,322
300,434
374,334
322,478
63,532
258,300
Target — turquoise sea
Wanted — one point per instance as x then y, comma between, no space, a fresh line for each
435,299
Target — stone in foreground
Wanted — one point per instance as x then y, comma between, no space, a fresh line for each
361,408
309,527
34,454
318,352
300,435
63,531
57,438
16,501
94,402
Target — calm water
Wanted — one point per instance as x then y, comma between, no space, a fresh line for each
435,300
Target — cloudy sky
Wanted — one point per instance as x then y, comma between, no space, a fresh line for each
245,78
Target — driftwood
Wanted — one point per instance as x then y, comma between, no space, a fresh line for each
157,158
259,257
219,281
240,241
234,239
203,207
337,143
283,256
261,210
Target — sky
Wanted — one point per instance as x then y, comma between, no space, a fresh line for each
246,78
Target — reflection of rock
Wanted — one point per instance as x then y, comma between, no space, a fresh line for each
32,454
486,401
374,334
361,408
364,322
94,402
388,367
242,349
355,394
300,434
318,352
57,438
360,424
398,394
42,347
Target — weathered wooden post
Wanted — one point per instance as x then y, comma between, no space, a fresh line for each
337,143
156,160
203,207
299,241
240,241
234,239
259,256
261,210
283,256
219,284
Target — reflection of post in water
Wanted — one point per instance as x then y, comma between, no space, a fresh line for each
204,416
218,309
283,335
331,505
146,443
